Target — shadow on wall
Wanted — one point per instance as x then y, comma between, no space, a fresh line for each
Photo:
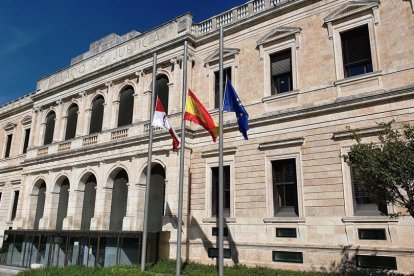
196,232
347,265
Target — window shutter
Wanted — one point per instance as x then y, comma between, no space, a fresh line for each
355,46
281,63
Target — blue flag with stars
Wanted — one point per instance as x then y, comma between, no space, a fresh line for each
232,103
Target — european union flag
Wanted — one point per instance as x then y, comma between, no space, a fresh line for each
232,103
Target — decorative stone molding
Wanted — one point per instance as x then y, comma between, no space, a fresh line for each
277,34
282,143
284,220
227,52
26,121
9,127
215,152
351,8
346,135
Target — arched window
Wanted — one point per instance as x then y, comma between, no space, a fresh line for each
50,127
40,206
97,115
88,207
72,121
162,90
119,201
62,210
126,107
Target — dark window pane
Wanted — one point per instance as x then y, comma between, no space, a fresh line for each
356,51
97,115
286,232
285,187
380,262
226,74
26,139
215,190
15,202
50,128
72,121
8,145
162,91
287,257
40,205
126,107
281,72
371,234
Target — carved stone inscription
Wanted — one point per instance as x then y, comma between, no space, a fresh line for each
121,52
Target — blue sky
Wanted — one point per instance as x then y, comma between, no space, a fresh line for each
40,37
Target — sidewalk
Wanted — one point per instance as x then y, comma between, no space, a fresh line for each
10,270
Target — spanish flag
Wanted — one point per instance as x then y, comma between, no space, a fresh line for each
196,113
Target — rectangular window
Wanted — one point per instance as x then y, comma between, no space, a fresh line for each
287,257
15,202
226,74
8,145
372,234
356,51
364,204
215,191
281,70
285,193
26,139
215,231
378,262
214,253
286,232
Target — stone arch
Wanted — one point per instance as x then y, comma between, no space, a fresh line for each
97,95
126,105
97,113
118,180
50,123
162,89
71,121
37,200
124,85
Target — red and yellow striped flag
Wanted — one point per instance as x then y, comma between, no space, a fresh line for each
196,113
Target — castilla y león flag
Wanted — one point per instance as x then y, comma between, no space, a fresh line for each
161,120
196,113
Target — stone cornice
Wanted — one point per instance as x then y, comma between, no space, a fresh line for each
282,143
351,8
215,152
348,134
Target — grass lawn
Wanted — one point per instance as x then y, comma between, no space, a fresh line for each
161,268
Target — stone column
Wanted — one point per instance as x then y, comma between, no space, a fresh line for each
108,106
80,129
138,98
88,114
100,220
114,114
173,86
41,136
58,121
63,126
33,126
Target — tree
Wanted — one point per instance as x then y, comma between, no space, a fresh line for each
386,170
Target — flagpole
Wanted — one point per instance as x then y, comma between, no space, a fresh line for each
221,218
149,163
182,152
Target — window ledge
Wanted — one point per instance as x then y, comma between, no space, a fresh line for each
369,219
359,77
215,220
279,96
284,220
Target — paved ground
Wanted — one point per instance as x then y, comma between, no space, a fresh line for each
9,270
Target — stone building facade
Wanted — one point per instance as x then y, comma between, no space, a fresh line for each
74,153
